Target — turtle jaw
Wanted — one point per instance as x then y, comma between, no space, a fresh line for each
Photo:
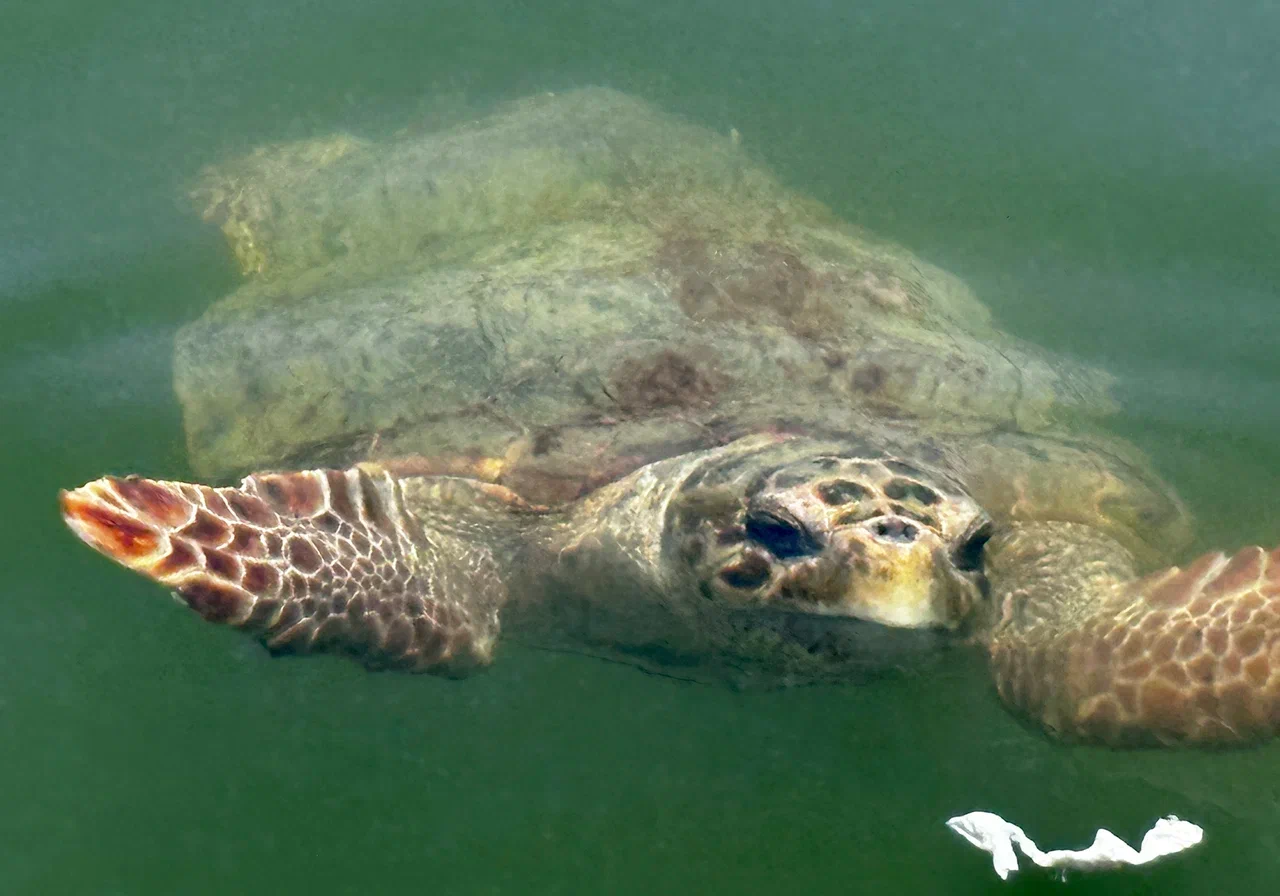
877,577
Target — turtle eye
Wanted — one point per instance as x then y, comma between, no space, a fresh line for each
781,536
967,555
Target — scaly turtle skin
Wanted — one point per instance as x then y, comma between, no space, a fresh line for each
586,377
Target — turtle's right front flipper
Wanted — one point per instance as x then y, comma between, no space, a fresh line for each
322,560
1186,655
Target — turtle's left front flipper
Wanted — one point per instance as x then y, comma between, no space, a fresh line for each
1187,655
319,560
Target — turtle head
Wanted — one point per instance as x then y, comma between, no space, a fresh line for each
876,540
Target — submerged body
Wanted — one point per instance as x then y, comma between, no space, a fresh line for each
648,403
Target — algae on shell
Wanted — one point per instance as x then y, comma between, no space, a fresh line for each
448,292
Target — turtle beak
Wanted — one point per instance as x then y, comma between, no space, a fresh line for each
896,574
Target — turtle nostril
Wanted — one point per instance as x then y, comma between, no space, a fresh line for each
751,572
891,528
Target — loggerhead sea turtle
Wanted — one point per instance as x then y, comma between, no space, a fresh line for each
584,374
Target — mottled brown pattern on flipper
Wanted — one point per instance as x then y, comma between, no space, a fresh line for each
1198,659
116,534
207,529
215,600
168,508
292,493
294,557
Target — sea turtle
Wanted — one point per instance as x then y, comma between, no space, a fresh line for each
583,374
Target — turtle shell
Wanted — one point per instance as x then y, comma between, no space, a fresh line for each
563,290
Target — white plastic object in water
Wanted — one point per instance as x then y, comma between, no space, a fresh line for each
992,833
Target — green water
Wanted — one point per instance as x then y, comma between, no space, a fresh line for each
1104,175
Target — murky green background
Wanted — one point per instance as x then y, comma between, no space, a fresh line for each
1106,175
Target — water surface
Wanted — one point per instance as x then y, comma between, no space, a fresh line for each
1104,175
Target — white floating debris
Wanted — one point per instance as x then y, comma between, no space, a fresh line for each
992,833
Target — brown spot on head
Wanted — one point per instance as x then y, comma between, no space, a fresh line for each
906,490
841,491
162,504
903,468
215,601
